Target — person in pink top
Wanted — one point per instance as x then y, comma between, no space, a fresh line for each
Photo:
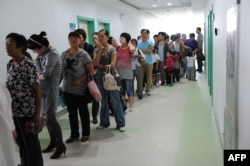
124,67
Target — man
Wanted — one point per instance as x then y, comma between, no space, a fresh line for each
147,45
200,48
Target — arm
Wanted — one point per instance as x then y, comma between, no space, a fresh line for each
51,62
37,92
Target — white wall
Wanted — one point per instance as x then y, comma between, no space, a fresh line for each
219,59
244,78
220,44
33,16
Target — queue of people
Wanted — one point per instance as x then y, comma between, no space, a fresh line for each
34,84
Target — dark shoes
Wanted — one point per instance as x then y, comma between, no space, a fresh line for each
95,121
59,151
84,138
49,148
71,139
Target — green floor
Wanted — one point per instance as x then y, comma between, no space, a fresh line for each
199,143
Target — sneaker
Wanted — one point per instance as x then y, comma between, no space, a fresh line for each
148,93
131,109
122,129
101,127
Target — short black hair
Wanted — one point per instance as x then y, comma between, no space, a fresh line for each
142,30
74,34
191,35
82,32
126,36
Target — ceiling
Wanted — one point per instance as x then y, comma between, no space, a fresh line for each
156,8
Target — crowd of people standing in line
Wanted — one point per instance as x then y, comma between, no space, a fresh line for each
34,85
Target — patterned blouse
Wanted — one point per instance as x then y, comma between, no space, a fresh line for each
20,80
74,68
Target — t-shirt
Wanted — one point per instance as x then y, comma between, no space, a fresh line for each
199,38
156,57
105,59
193,44
190,61
144,45
134,60
74,68
123,63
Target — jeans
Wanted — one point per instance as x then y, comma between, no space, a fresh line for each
127,87
116,104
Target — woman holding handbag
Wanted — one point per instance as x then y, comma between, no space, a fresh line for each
76,64
105,57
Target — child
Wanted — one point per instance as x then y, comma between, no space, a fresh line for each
169,65
156,71
190,66
176,70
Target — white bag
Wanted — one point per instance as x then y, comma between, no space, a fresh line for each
109,82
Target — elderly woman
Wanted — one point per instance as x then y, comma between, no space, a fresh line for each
105,56
76,64
24,87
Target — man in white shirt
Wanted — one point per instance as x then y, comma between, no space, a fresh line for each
8,155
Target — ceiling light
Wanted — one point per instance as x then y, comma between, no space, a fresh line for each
169,4
154,5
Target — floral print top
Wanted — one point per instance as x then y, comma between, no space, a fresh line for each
20,80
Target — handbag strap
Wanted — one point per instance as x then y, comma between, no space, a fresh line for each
108,69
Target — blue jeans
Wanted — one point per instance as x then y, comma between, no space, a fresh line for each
116,104
127,87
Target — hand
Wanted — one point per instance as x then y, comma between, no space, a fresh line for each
77,82
38,121
41,77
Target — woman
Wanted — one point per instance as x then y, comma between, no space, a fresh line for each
24,88
76,63
90,50
137,57
124,68
49,67
105,56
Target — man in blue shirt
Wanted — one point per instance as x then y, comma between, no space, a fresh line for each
147,45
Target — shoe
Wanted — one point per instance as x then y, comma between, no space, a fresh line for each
71,139
162,83
122,129
131,109
95,121
49,148
101,127
84,138
140,97
59,151
148,93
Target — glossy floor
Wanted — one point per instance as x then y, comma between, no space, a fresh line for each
172,127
